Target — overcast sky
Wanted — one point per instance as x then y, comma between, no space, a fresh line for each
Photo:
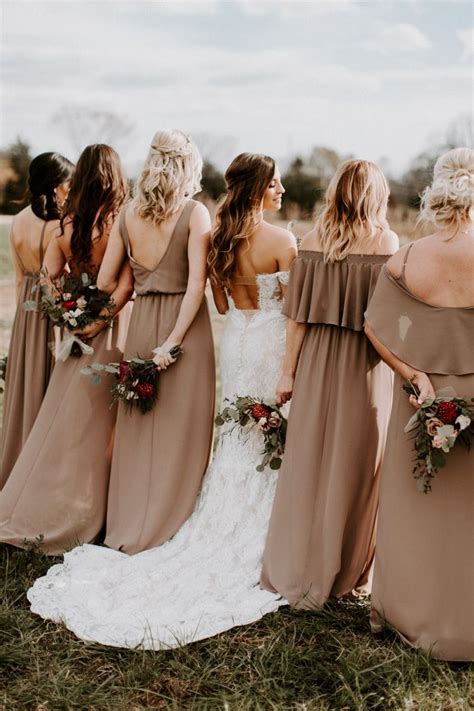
374,79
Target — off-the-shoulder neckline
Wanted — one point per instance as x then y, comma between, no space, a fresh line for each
350,257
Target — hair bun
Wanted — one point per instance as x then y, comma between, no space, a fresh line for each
449,199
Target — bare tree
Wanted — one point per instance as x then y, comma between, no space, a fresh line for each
84,125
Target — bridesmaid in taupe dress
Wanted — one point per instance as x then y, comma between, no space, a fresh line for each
30,359
421,321
57,489
159,458
321,536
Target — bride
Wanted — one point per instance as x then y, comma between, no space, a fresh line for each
204,580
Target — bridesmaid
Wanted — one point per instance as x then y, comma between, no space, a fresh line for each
30,359
58,487
321,536
421,321
160,458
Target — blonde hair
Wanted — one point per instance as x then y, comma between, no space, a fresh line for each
448,201
247,178
172,171
354,211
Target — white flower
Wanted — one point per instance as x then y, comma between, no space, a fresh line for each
67,297
76,313
81,303
130,395
463,421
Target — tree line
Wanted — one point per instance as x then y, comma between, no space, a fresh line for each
305,178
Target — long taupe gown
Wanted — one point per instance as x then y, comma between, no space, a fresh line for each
423,577
29,366
160,458
321,536
58,486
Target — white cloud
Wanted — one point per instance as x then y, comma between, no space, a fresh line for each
287,9
399,37
466,38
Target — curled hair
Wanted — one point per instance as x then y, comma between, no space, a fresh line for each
172,171
354,211
46,172
448,201
247,178
98,190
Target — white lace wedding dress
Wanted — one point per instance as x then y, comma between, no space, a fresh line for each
205,579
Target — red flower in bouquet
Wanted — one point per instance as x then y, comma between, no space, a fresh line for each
144,390
447,412
258,411
124,371
69,305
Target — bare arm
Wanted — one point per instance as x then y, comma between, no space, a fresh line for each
19,275
112,263
220,298
198,248
420,379
295,333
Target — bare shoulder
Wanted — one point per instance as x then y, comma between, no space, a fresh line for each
279,234
311,241
199,215
389,244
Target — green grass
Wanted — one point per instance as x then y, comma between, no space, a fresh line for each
288,660
6,266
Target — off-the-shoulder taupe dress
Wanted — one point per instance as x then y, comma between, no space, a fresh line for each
29,367
160,458
321,537
423,576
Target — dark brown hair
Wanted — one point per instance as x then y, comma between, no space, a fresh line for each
247,178
98,190
46,172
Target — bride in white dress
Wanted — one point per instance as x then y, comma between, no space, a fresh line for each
205,579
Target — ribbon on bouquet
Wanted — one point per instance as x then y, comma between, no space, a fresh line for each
66,345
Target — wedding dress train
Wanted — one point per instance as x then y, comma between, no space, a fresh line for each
205,579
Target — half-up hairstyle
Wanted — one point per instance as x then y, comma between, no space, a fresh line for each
98,190
354,211
172,172
448,201
46,172
247,178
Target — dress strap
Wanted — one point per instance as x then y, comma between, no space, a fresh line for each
402,278
41,247
124,231
244,281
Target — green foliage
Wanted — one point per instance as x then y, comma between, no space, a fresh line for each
213,183
291,661
15,191
302,188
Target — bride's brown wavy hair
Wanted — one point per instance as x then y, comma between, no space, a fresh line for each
97,192
247,178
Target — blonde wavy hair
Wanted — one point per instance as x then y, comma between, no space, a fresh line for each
448,201
354,211
247,178
172,171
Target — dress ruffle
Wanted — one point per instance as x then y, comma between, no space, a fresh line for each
332,293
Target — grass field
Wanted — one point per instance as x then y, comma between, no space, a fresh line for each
289,660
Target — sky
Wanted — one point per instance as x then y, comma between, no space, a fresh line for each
379,79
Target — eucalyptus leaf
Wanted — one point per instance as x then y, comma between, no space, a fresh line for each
275,463
29,306
98,366
95,378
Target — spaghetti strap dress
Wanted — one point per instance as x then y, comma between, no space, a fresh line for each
160,458
29,366
423,576
56,494
321,539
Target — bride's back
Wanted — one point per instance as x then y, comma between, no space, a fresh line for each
270,249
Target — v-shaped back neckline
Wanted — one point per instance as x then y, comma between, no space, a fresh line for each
123,226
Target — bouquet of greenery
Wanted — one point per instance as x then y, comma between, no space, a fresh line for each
436,427
135,381
3,371
72,302
246,412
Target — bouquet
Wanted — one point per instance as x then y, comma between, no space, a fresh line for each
437,426
135,382
3,371
268,419
73,302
